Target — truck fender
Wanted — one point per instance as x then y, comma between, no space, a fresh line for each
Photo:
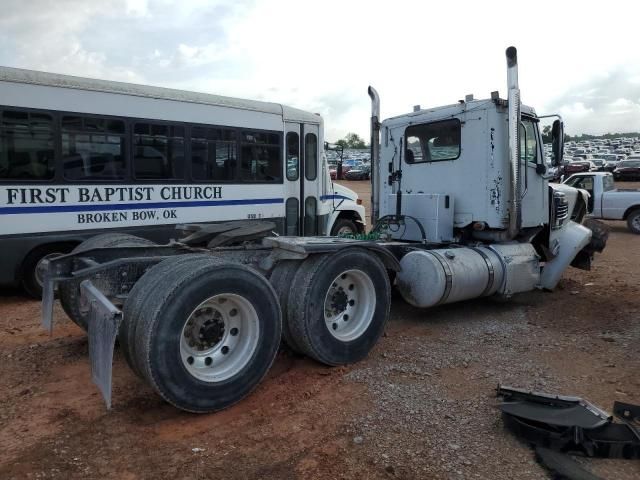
350,210
628,211
571,239
390,262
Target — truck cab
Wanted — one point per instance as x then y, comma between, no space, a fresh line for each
475,173
453,161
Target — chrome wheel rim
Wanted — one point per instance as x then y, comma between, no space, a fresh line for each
636,223
219,338
40,271
349,305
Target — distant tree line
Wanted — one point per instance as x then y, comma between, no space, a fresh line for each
352,140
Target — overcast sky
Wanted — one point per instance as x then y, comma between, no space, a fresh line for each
579,59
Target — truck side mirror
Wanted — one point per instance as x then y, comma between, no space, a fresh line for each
557,142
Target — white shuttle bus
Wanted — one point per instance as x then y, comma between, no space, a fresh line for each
79,157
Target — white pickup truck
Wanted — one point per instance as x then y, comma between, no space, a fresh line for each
606,201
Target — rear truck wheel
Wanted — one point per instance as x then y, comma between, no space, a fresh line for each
70,291
32,270
210,334
137,303
339,305
344,226
633,221
281,279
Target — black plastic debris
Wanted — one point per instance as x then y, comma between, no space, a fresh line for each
562,466
570,424
629,414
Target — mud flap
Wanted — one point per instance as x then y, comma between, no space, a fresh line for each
104,321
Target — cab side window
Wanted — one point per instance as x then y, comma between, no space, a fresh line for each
433,142
528,142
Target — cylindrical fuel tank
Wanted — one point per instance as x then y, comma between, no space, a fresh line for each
434,277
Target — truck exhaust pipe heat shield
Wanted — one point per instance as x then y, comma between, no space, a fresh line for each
515,192
375,153
513,99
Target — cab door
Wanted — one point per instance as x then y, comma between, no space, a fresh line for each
535,197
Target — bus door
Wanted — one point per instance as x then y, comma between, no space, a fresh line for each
292,183
302,179
310,180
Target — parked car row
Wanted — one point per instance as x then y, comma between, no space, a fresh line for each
350,169
619,156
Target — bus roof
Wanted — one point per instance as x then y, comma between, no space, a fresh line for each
33,77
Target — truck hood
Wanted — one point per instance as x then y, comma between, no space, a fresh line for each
344,193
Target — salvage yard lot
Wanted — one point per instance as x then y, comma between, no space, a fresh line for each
422,405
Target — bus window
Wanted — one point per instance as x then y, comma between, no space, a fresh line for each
310,156
213,154
93,148
158,152
26,146
260,159
293,156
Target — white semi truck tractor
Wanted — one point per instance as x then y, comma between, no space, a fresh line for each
462,208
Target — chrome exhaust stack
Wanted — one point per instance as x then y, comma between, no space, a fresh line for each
375,153
513,99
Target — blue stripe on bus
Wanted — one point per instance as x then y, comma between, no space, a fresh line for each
135,206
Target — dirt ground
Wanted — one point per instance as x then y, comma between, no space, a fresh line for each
422,405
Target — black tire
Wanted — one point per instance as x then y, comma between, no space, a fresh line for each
344,224
281,279
306,306
30,277
69,292
137,304
159,332
633,221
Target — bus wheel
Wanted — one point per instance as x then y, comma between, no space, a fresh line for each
344,226
210,336
32,269
339,305
69,292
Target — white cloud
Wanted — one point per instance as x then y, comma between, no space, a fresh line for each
622,102
577,109
138,8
